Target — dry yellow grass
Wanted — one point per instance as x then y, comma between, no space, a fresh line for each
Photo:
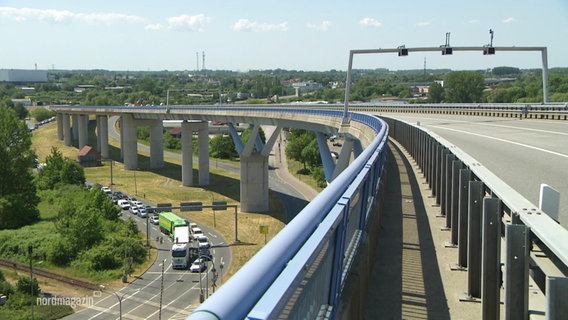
164,186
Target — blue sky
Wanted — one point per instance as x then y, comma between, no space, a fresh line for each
311,35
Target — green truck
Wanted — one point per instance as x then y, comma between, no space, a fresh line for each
168,221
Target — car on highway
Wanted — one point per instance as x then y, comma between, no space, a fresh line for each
155,219
133,210
198,265
124,204
196,232
142,213
203,242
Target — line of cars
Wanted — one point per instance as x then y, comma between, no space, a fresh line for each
200,254
131,204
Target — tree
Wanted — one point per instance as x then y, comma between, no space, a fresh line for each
18,198
59,170
41,114
464,86
435,93
222,147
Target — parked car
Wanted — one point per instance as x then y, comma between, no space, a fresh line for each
198,265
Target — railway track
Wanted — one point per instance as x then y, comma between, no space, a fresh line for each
18,266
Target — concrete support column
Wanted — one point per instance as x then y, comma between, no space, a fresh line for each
254,183
67,138
203,142
59,120
103,136
129,142
156,144
98,126
83,130
186,154
75,127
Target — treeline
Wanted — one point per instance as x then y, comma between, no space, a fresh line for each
99,87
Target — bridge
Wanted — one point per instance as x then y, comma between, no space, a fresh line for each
308,266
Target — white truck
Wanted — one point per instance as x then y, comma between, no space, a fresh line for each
183,253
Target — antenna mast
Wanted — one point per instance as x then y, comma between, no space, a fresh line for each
203,62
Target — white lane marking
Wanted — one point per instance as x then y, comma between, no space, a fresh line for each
506,141
131,295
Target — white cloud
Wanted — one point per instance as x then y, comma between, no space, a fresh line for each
509,20
370,22
62,16
189,23
322,26
423,24
247,25
154,27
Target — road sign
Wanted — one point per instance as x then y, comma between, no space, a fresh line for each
219,205
191,206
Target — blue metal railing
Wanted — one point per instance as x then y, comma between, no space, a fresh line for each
302,270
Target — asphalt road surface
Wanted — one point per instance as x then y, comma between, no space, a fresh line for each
522,153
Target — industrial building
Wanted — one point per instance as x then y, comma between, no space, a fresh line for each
23,76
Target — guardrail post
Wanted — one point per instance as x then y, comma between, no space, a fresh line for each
556,298
450,157
436,171
463,207
441,178
476,194
516,271
454,203
491,259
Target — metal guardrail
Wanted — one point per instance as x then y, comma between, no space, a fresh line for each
302,271
478,207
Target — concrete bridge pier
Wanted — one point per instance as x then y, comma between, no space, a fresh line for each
59,120
187,129
129,142
156,144
75,127
203,143
102,136
67,136
186,154
254,168
83,130
254,183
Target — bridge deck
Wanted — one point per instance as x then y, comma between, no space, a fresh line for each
411,273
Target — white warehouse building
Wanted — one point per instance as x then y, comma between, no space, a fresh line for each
22,76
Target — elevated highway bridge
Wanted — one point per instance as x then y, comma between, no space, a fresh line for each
306,269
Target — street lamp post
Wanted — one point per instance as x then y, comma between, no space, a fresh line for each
161,289
119,297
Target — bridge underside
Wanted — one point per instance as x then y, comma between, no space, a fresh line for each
254,153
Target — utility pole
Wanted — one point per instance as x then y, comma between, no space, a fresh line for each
30,250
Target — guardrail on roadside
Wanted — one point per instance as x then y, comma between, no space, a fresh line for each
482,212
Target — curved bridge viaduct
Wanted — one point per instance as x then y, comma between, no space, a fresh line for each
318,265
72,125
